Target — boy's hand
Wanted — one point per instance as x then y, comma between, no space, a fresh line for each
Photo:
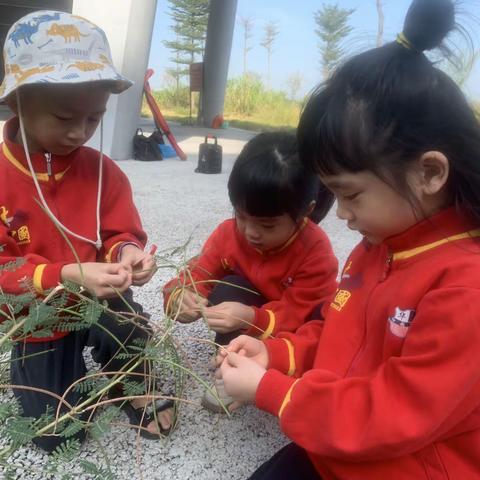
245,346
191,306
228,317
241,376
99,278
139,263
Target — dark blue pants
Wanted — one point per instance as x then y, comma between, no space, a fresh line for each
289,463
57,369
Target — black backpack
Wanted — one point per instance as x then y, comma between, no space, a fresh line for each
146,148
209,156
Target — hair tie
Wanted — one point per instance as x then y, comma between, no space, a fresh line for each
405,42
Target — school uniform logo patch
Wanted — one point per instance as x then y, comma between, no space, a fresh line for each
340,300
401,321
16,225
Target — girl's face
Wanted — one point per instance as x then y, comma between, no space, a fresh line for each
369,205
265,233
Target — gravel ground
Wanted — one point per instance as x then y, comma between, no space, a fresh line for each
175,203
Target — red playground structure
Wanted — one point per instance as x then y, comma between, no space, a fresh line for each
160,121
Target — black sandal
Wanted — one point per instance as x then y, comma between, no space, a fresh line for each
143,416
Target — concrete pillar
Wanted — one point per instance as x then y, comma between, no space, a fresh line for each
221,23
129,26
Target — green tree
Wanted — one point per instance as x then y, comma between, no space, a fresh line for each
190,18
270,34
332,29
247,24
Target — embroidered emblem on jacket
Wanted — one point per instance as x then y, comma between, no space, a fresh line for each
341,298
401,321
23,235
16,225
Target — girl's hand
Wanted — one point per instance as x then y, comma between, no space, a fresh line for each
191,306
228,317
246,346
241,377
141,264
99,278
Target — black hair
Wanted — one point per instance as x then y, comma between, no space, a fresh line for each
268,180
386,107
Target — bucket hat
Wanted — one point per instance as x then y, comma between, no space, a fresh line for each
57,47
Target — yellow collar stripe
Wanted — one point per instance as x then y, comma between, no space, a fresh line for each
415,251
287,399
42,177
295,235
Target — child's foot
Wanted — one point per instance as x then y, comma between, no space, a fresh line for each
216,399
156,417
165,415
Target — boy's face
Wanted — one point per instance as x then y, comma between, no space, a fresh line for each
60,118
265,233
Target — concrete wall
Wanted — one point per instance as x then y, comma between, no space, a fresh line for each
128,25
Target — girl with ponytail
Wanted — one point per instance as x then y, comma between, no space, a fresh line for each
388,385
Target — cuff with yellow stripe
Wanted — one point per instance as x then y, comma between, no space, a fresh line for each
281,355
47,276
263,324
113,254
274,392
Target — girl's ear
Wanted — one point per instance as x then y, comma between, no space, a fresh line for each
432,173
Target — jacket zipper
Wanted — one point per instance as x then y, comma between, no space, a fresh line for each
48,158
385,271
387,266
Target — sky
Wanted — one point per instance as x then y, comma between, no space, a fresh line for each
295,49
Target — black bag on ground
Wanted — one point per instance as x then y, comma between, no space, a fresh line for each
146,148
209,157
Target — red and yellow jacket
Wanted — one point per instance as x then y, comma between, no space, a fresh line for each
294,279
71,193
391,388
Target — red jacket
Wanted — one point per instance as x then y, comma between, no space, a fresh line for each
391,389
71,193
294,279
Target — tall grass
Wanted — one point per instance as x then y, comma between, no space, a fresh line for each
248,104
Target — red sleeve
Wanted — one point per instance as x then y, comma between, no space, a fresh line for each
313,284
409,402
18,273
294,353
202,269
120,221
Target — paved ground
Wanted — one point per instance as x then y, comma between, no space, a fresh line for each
175,203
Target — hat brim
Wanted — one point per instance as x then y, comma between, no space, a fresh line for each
108,74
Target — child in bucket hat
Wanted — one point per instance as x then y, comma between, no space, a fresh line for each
58,78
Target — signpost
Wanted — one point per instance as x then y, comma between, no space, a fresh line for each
196,84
